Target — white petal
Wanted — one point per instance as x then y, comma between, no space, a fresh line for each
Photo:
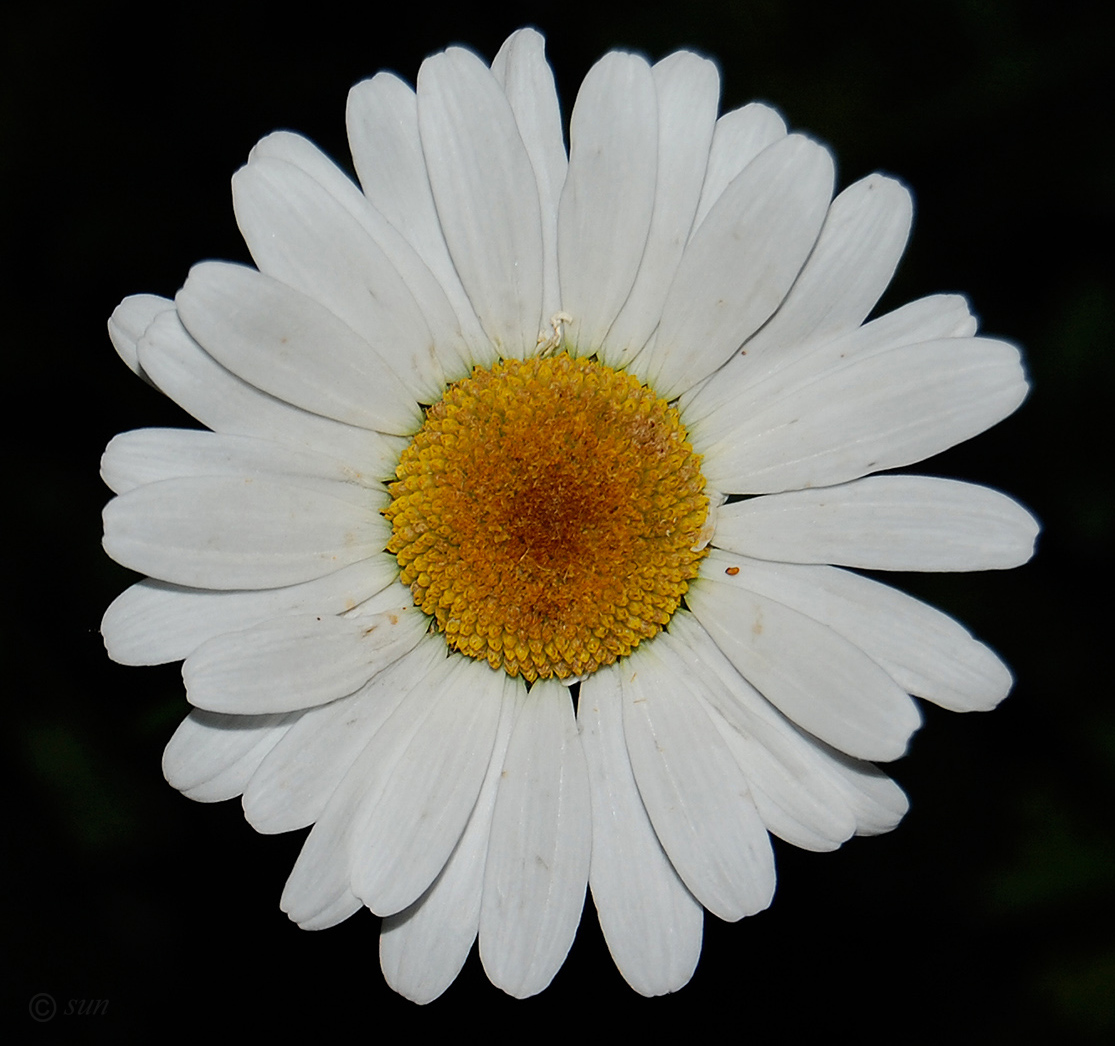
818,679
813,795
739,386
876,801
383,133
150,455
434,754
152,622
423,948
230,405
693,791
740,263
486,195
652,923
302,236
336,911
867,414
128,322
521,69
293,348
791,776
319,881
297,662
608,199
322,874
211,757
316,894
687,89
232,532
288,147
382,119
538,856
864,235
738,138
300,774
446,331
883,523
802,823
925,651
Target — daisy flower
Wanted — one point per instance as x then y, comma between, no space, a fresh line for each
514,556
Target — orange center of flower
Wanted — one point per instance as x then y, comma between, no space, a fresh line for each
547,515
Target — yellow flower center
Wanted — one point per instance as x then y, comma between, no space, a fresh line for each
547,515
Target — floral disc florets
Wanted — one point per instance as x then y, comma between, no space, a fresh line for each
548,515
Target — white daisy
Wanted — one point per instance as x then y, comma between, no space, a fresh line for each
500,420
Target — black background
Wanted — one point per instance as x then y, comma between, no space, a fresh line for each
988,914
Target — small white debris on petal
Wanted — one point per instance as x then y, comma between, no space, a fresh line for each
549,341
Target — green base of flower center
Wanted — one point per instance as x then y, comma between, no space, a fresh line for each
546,515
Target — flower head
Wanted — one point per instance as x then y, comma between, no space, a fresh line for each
515,559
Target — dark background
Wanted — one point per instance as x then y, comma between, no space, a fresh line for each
987,915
